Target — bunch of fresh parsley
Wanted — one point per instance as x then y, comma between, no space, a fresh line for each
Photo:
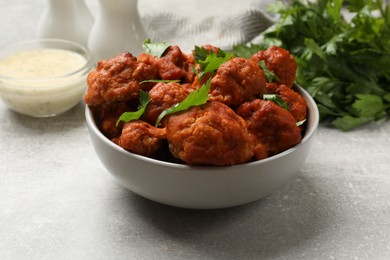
344,63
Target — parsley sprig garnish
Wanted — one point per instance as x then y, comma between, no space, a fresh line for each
271,77
209,60
276,99
156,49
196,98
129,116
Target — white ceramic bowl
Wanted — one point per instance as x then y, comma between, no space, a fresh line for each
201,187
50,86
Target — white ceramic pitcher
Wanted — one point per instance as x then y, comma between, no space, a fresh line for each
117,29
65,19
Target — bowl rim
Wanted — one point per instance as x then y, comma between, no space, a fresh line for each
311,129
84,52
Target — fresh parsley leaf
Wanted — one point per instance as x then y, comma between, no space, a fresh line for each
277,99
155,49
213,61
333,8
209,60
348,122
200,53
268,74
129,116
368,105
246,51
386,97
196,98
194,70
313,49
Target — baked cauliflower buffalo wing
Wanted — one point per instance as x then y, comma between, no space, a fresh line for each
117,80
236,81
142,138
271,125
210,134
280,62
173,65
295,102
163,96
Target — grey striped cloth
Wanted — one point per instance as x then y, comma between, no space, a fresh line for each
224,25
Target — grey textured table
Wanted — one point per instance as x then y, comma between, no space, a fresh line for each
58,202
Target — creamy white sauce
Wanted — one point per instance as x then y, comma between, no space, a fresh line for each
42,82
42,63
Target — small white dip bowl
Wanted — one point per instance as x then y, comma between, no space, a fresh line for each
43,77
